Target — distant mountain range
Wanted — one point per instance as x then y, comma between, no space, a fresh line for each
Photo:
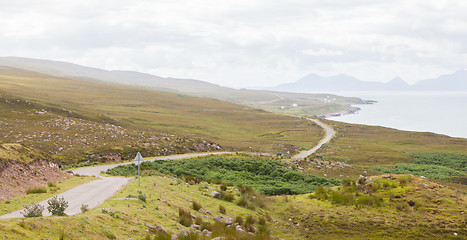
315,83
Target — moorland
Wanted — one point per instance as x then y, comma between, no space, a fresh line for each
366,183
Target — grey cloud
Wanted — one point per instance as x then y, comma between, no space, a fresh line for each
238,42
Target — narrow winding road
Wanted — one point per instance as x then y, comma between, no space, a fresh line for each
96,192
329,134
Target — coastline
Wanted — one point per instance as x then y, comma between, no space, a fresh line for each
350,110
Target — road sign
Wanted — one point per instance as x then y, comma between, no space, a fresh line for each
139,158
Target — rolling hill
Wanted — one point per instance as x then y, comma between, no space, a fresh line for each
98,105
281,102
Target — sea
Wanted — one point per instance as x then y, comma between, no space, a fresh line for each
437,112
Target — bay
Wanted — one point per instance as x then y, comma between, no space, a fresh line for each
437,112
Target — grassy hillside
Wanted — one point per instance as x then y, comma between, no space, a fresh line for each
385,207
102,110
297,104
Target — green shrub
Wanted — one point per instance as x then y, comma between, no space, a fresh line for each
222,209
57,206
184,217
196,205
142,197
320,194
33,210
341,198
51,184
249,222
36,190
239,220
84,208
243,202
206,225
229,197
405,179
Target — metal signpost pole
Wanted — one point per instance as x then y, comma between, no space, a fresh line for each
139,179
139,158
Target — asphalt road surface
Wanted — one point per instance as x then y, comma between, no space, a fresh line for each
329,134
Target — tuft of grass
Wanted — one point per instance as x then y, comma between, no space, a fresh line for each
222,209
36,190
184,217
196,205
142,197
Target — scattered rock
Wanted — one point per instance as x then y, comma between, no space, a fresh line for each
206,232
215,194
230,221
201,210
154,228
182,232
218,238
219,219
240,229
411,203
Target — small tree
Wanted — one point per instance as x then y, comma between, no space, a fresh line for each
33,210
57,206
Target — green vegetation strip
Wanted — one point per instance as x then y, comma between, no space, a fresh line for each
433,165
267,176
455,161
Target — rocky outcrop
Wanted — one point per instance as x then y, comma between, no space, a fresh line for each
16,178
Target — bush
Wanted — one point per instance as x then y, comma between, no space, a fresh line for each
33,210
196,205
84,208
57,206
51,184
142,197
242,202
229,197
239,220
184,217
222,209
36,190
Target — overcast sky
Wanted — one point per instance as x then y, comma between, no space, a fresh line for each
242,43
